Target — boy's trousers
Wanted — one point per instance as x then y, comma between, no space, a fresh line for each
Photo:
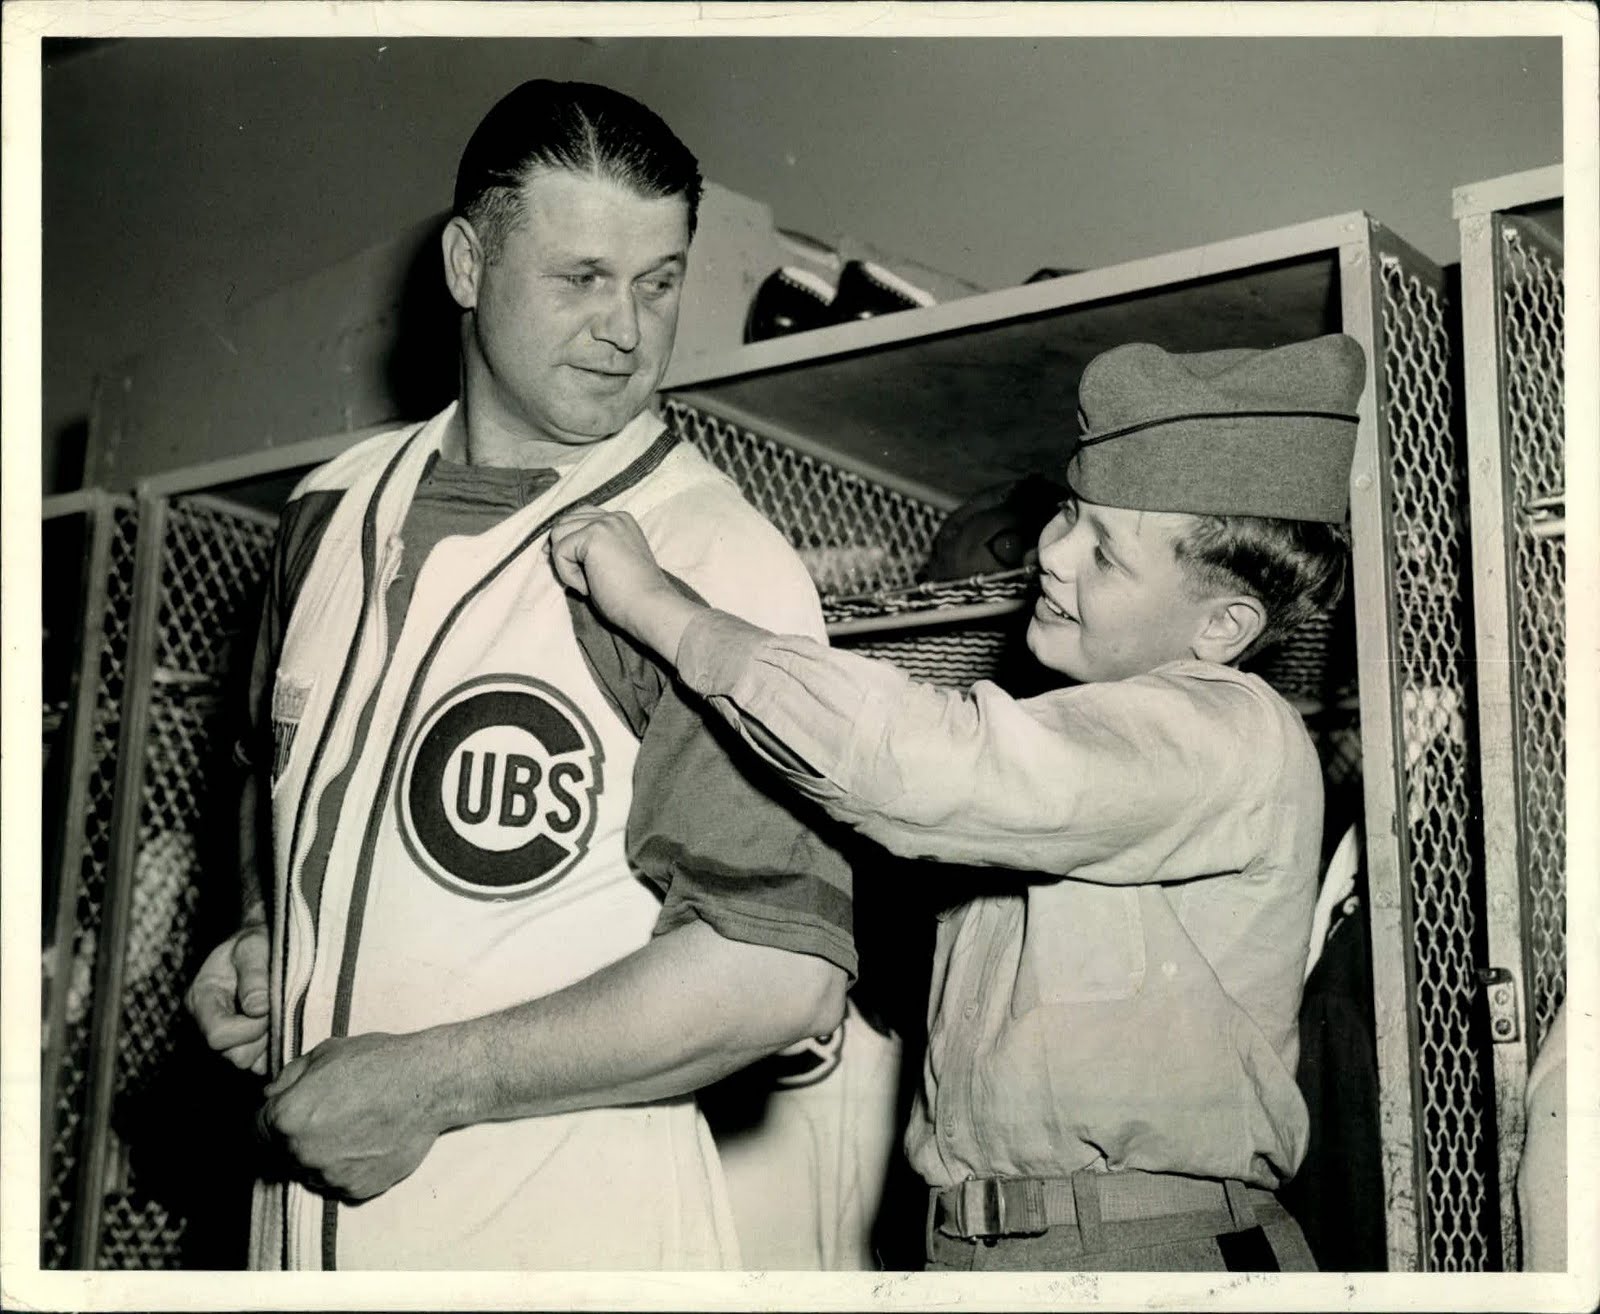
1103,1222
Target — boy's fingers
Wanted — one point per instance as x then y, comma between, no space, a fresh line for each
564,530
574,520
566,558
586,528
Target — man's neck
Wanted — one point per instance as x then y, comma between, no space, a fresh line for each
472,440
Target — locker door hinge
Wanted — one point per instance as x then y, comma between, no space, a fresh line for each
1505,1018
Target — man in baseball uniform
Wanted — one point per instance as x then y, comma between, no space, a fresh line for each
521,904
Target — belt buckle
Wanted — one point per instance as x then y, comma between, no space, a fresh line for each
986,1197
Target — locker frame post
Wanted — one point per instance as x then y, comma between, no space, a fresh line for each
1389,891
127,806
1478,208
95,506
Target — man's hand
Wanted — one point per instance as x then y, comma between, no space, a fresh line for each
604,555
353,1113
229,998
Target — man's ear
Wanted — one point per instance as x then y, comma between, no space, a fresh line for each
463,261
1231,625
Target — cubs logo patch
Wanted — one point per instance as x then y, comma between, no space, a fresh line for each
498,788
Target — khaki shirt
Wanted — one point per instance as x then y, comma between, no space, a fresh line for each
1133,1007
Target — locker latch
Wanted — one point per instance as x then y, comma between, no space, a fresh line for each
1505,1020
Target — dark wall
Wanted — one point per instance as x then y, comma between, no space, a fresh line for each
182,176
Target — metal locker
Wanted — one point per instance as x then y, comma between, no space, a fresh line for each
856,440
172,590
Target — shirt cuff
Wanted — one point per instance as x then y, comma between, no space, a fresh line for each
716,649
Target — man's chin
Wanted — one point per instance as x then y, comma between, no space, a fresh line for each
594,424
592,418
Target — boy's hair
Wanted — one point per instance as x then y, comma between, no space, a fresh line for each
576,126
1294,568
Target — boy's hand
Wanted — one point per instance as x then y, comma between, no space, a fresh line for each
604,555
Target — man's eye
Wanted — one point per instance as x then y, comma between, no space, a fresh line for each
1101,560
580,280
1069,511
657,287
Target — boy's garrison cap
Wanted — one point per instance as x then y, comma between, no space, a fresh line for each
1241,432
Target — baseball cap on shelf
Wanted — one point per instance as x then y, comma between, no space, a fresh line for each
790,300
1238,432
867,290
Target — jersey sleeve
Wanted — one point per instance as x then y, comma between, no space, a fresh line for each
723,842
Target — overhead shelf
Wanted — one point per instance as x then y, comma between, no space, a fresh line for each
943,401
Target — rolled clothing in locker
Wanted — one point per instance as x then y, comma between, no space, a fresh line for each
805,1163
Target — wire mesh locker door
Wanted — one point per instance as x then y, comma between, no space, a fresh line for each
864,544
1512,320
854,534
195,579
1423,845
78,822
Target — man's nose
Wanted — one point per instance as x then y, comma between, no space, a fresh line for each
618,321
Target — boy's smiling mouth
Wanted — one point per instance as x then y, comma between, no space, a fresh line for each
1051,609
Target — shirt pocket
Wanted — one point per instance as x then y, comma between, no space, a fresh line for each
1080,943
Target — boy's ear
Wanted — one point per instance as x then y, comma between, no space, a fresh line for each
1230,627
463,261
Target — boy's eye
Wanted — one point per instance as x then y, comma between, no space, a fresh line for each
1101,560
586,279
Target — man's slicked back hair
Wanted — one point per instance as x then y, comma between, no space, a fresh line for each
576,126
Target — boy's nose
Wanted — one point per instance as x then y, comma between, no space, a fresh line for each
1053,554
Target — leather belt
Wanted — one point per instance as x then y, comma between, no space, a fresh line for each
984,1207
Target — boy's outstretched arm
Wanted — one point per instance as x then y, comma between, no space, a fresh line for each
1104,785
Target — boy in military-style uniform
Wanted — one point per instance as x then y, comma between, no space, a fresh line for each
1109,1081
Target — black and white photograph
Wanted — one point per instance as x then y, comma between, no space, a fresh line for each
782,657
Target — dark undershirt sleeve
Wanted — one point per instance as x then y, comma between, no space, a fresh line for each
300,530
716,839
253,751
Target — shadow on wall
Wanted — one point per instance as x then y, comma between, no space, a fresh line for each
63,457
423,372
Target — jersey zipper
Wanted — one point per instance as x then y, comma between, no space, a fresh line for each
373,649
623,480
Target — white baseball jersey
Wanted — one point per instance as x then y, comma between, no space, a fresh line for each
481,786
